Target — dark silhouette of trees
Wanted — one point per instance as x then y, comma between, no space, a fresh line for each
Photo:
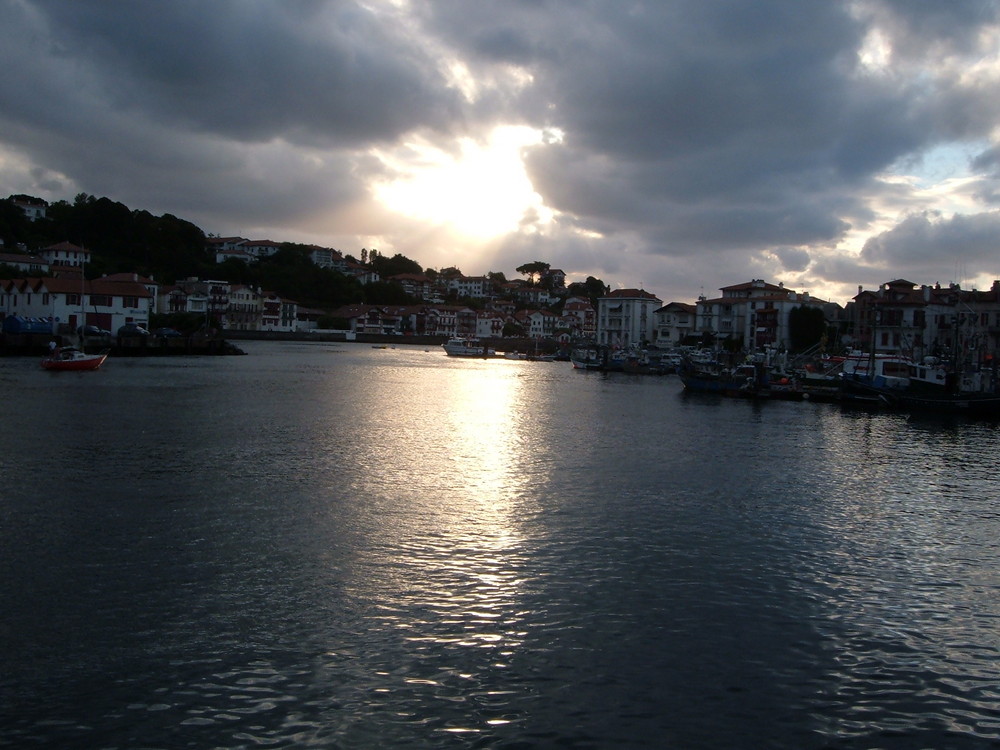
806,326
533,269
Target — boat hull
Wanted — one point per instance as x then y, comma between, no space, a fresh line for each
76,364
918,400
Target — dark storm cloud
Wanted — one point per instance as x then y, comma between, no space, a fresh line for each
201,110
319,72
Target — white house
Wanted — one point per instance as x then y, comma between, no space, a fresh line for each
65,254
754,313
327,257
489,324
579,317
151,286
244,311
70,303
33,208
625,317
29,264
675,322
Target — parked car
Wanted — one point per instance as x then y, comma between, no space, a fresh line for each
167,333
93,331
132,329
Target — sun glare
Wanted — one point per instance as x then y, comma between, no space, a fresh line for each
482,191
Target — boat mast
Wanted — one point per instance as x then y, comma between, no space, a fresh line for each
83,309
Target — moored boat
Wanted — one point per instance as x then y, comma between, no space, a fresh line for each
69,358
926,386
742,381
467,347
587,358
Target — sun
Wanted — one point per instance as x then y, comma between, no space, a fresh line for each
481,190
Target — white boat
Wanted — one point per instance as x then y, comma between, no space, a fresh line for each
467,347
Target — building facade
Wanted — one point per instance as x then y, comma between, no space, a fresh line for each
625,318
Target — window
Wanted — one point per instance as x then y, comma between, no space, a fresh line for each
100,300
130,301
72,299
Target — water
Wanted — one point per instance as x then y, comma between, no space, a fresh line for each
324,545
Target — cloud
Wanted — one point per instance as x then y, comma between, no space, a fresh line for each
939,246
688,144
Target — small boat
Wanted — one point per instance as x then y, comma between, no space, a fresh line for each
467,347
70,358
587,358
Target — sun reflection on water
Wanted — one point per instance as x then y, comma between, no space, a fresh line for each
447,566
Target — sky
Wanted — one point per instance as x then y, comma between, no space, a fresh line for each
676,146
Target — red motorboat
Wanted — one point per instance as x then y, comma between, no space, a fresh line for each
70,358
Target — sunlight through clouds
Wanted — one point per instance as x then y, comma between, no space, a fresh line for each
481,191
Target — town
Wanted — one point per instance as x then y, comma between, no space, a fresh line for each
48,285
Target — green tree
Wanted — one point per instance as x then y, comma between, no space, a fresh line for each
806,326
393,266
386,293
512,330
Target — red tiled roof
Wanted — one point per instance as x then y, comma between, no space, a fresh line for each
631,294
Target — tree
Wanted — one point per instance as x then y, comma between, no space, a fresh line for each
512,330
386,293
806,326
533,269
393,266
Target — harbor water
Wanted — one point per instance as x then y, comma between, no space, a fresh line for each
337,546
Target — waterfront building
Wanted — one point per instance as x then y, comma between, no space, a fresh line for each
70,303
245,308
675,323
151,286
752,315
899,317
206,297
625,317
276,312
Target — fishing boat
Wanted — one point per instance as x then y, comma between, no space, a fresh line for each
743,381
924,386
69,358
587,358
